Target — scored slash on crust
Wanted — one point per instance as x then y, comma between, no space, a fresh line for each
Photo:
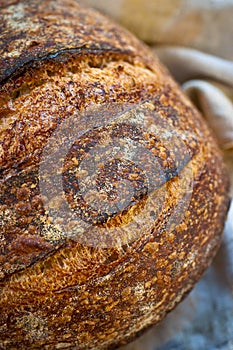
128,135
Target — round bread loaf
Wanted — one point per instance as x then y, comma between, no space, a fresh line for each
113,191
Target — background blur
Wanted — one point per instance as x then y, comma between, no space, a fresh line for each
202,24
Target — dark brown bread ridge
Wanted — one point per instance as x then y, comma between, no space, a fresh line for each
93,276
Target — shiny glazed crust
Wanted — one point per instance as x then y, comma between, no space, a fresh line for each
96,288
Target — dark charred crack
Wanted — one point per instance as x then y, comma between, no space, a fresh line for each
21,64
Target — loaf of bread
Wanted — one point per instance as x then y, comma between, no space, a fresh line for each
113,191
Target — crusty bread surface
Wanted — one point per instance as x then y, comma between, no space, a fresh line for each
91,276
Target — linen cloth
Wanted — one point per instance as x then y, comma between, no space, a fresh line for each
194,39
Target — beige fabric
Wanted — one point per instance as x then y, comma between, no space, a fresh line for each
186,63
216,107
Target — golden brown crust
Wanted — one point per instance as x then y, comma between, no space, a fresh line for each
34,30
97,289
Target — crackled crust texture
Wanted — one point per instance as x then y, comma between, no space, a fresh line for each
101,285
